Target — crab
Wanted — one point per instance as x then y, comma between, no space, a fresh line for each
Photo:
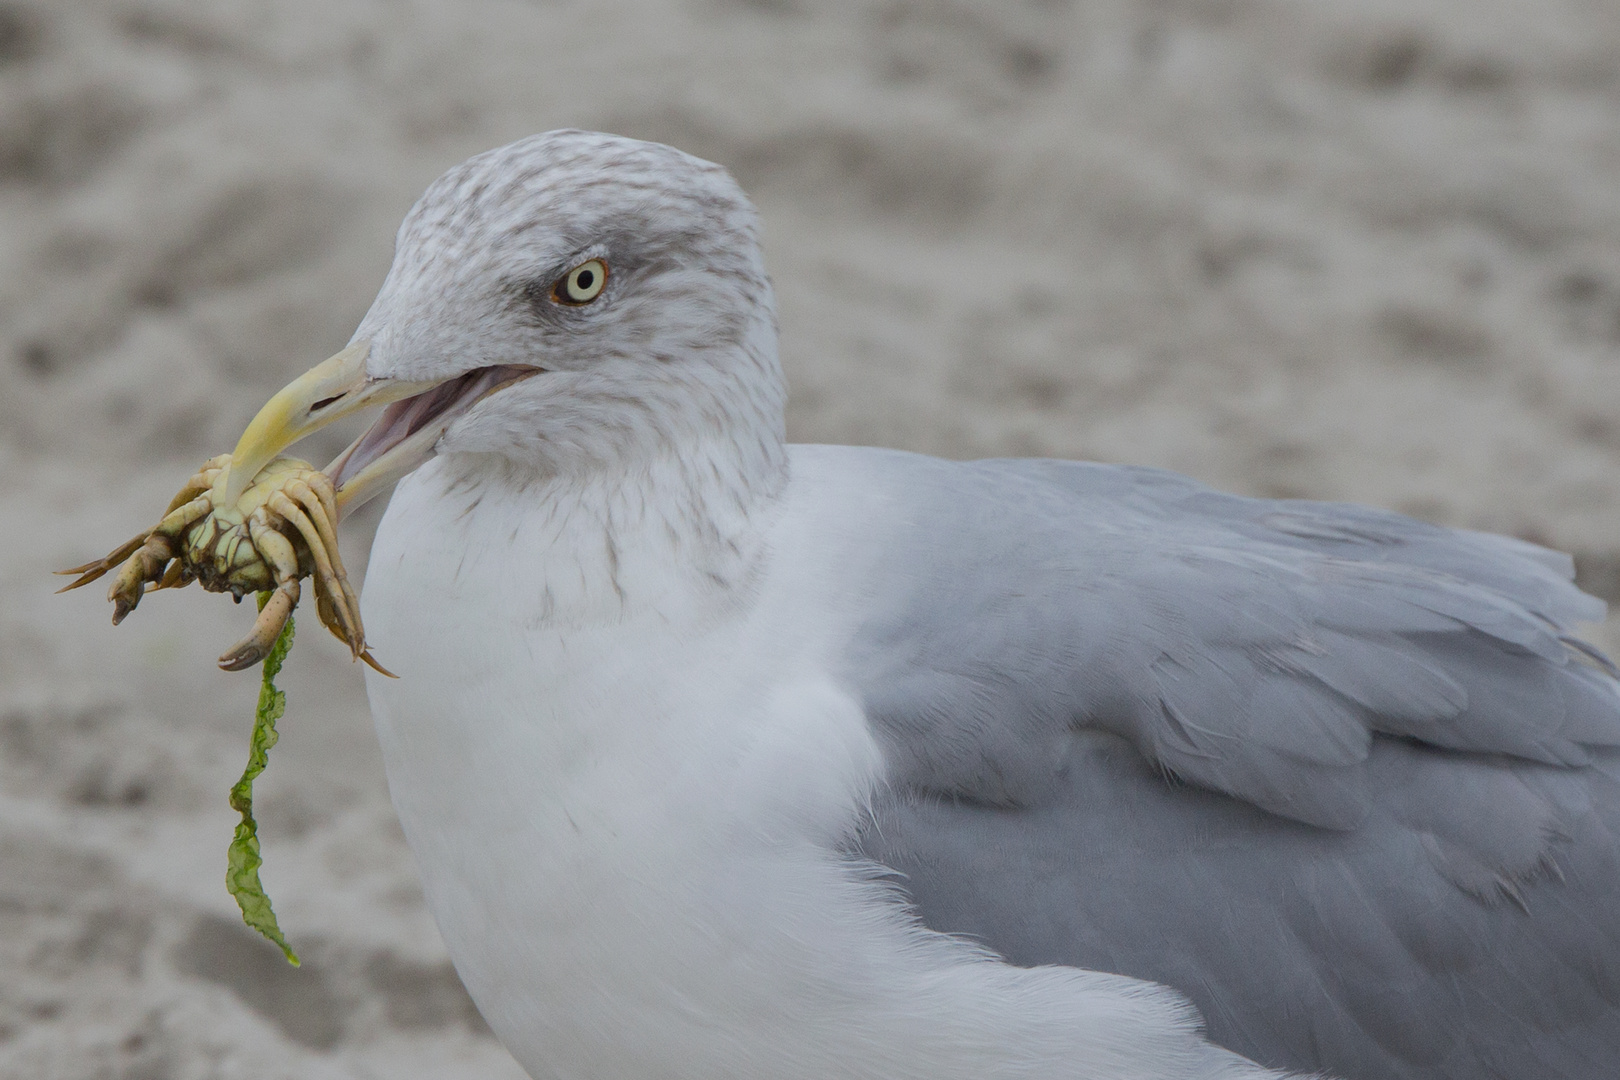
280,529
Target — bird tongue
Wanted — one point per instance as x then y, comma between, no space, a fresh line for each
413,416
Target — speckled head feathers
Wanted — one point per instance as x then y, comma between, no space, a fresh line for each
680,344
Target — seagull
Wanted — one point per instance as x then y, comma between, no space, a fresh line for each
722,757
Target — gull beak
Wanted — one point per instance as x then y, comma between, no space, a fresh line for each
329,391
401,439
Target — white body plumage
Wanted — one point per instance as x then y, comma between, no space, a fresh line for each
627,784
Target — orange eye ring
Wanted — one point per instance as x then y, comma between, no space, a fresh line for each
582,284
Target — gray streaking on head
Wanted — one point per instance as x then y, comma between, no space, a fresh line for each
707,746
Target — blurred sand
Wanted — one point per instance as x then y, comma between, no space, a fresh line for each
1366,251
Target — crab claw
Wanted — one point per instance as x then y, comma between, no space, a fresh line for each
266,629
147,564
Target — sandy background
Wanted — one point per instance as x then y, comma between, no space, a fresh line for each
1361,250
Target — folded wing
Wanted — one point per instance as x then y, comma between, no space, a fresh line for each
1347,780
1254,647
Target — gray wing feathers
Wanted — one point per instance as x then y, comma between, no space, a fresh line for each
1250,646
1352,952
1043,644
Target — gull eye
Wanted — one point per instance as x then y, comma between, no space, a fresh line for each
582,284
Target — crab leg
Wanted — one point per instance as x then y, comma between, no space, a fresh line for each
177,576
319,512
321,486
338,597
335,602
325,607
280,503
145,565
92,570
198,485
149,561
279,552
322,510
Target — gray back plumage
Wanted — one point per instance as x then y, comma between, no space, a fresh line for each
1345,779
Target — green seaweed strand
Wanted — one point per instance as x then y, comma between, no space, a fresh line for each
242,874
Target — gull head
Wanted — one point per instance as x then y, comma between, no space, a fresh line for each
570,303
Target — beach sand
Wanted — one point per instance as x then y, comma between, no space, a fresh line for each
1365,252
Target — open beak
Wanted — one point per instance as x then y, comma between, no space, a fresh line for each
402,438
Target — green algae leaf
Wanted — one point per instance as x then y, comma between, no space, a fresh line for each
242,873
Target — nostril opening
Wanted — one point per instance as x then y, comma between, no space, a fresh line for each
323,403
